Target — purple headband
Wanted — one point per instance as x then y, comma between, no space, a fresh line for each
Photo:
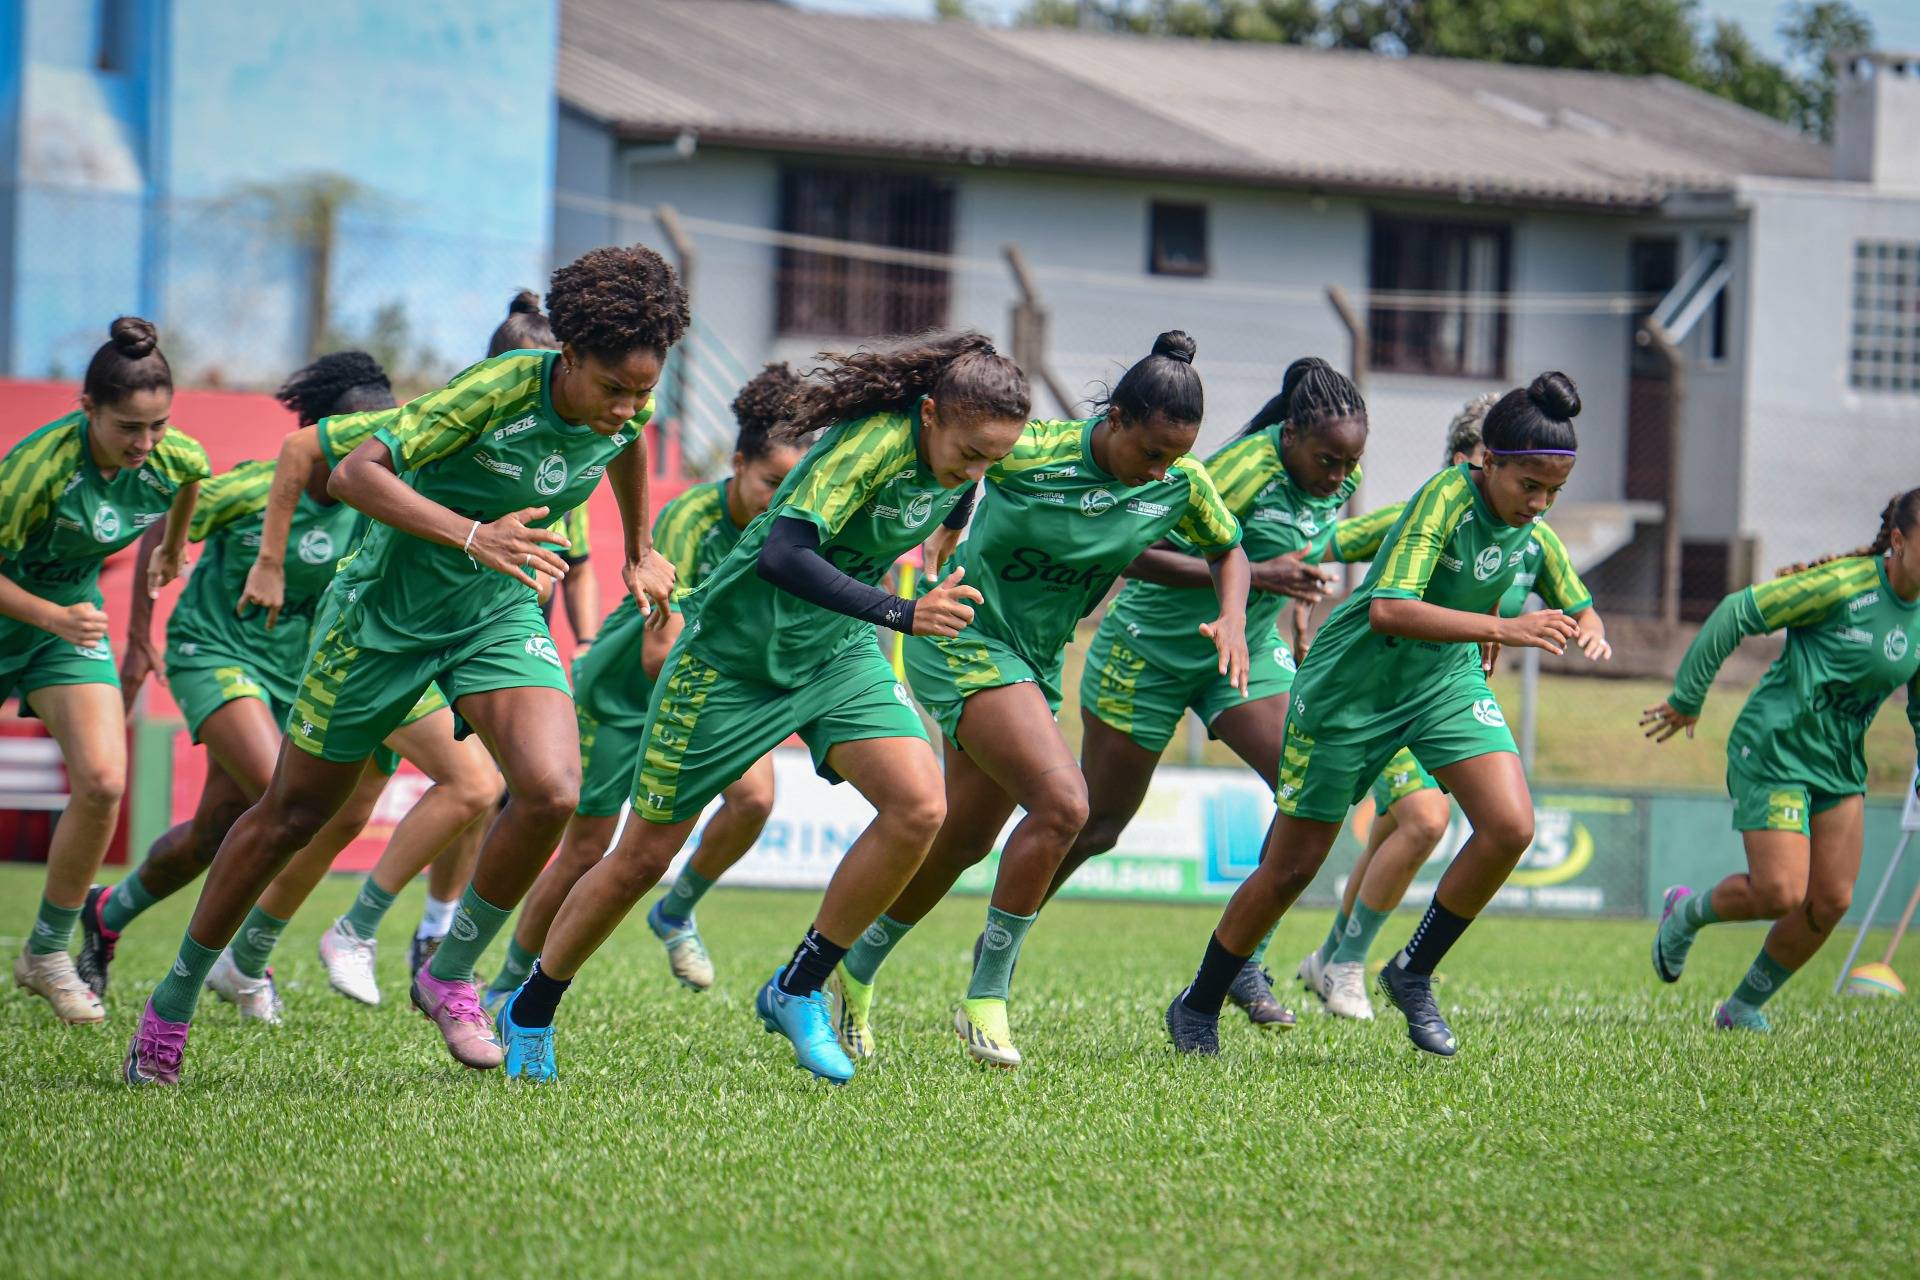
1521,453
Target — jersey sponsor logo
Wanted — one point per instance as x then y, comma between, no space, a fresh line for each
1488,712
97,650
1854,635
1487,563
153,481
617,439
1151,510
551,478
1025,564
1450,563
1096,502
918,511
73,482
513,429
1861,602
63,522
594,472
542,648
315,546
1514,559
1061,473
1896,646
147,519
106,524
1533,548
885,511
511,470
1052,499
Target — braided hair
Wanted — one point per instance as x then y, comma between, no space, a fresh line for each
1903,513
1312,393
339,382
760,406
1161,382
958,368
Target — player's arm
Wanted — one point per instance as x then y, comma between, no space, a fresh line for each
170,556
299,465
140,660
24,507
657,642
581,591
1211,527
1358,538
1559,584
940,546
648,576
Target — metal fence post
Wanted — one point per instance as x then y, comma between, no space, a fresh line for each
1030,330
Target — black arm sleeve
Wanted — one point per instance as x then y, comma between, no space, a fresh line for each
957,518
790,559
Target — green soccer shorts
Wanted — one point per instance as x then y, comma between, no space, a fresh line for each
1761,804
609,751
946,672
1321,776
215,679
1402,777
1125,689
385,758
34,659
706,728
351,698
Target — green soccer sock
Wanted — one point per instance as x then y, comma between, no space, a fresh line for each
1357,938
1764,977
514,969
179,991
1334,935
1696,911
474,926
688,888
873,948
129,898
259,935
52,928
1266,939
368,910
994,974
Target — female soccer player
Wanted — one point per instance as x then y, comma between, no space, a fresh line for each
1063,515
1285,478
1398,665
1796,760
1412,811
76,491
613,683
782,642
507,445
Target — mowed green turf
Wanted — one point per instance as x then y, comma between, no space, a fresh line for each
1592,1124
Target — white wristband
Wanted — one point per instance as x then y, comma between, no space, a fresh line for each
468,545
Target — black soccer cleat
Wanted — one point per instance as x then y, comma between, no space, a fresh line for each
1412,994
1191,1032
1252,994
420,952
96,943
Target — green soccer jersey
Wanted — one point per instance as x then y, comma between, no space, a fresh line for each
60,518
1850,643
228,518
1447,548
1547,568
865,486
694,533
1275,515
487,444
1054,530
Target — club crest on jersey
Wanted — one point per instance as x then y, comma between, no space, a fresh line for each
1283,656
1896,646
900,693
1488,712
316,546
1096,502
1487,563
918,511
551,478
97,650
106,524
542,648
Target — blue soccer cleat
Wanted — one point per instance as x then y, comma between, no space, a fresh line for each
529,1049
806,1021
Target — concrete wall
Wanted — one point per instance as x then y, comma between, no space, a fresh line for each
1822,458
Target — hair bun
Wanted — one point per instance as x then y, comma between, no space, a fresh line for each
525,302
1555,395
133,337
1175,345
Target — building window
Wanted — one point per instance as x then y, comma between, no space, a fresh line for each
1462,334
842,295
1177,239
1885,352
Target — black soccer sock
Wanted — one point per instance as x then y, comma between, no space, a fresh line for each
1217,971
812,963
539,999
1439,930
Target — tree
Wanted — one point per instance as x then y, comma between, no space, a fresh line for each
1813,32
1731,66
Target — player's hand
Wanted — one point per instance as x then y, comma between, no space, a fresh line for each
1592,637
1489,657
938,548
1547,629
1229,635
1291,575
542,588
266,588
1300,622
163,567
139,663
649,580
515,544
81,624
1662,722
947,609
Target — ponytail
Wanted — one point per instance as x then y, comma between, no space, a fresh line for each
959,369
759,406
1903,513
1162,382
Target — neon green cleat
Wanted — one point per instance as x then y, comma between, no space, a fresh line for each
982,1027
852,1005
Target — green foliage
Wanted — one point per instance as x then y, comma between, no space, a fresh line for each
1813,33
388,337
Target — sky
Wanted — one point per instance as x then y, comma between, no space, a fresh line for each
1896,23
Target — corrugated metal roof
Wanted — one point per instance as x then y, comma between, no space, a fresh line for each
757,73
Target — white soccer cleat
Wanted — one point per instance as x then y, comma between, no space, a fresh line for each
1310,972
50,975
255,998
349,962
1344,989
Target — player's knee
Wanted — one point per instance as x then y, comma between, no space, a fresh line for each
635,870
1425,819
1062,813
95,786
1826,904
548,800
476,791
1510,830
292,821
1774,896
914,816
1099,834
751,801
209,830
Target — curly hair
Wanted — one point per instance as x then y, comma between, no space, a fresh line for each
526,327
338,382
957,368
1903,513
1463,433
610,302
129,360
761,405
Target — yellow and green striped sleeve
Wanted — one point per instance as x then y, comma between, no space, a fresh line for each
32,476
677,533
180,458
446,421
1242,469
843,471
1807,596
1558,582
1442,503
574,525
1359,537
230,496
1045,442
1207,525
342,434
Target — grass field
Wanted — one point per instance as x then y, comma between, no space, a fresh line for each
1591,1124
